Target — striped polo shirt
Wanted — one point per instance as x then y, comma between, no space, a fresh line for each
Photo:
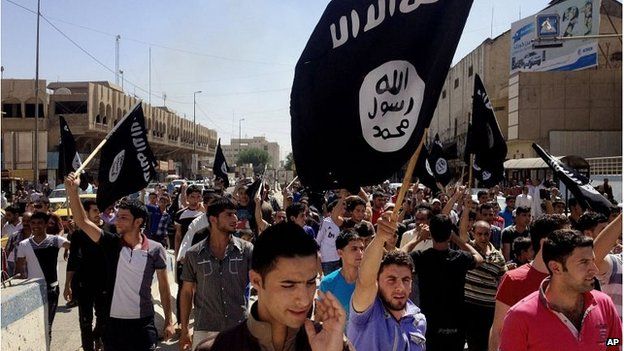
130,273
482,282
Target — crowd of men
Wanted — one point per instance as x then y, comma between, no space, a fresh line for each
514,268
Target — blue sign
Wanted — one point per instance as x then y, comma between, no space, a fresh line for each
548,26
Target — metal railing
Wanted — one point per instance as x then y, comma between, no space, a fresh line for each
605,165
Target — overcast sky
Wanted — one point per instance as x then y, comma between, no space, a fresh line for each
240,54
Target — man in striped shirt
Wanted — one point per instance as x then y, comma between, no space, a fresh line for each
481,285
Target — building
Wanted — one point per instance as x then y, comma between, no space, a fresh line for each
91,109
560,110
236,145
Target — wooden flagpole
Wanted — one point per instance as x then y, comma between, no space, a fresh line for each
471,165
101,144
408,177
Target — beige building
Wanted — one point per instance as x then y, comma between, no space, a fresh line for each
567,113
231,151
91,110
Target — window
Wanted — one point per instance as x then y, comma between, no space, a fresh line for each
470,71
616,56
456,83
12,110
30,111
444,94
70,107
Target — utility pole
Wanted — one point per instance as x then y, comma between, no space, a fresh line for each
239,135
194,132
117,38
37,99
164,97
149,98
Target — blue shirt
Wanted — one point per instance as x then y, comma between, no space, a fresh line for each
338,286
155,216
507,216
376,329
310,231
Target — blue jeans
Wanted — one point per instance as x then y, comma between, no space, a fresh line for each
329,267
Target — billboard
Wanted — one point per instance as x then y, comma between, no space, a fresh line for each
566,19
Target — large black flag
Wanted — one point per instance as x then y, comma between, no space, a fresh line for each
367,84
69,159
578,184
488,177
127,163
423,171
485,139
438,162
220,167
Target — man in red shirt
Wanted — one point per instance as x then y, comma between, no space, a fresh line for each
516,284
565,313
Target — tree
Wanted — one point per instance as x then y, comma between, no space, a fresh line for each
257,157
290,162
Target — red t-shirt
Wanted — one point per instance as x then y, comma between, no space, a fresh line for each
376,215
519,283
532,325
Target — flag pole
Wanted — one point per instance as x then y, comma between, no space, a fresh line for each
292,182
408,176
101,144
259,191
472,157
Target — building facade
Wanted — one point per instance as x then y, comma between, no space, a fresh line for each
561,111
91,109
236,145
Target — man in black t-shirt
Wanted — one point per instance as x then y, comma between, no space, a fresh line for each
441,279
84,281
520,228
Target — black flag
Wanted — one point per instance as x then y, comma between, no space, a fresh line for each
69,159
220,167
485,139
423,171
488,177
367,84
438,162
127,163
578,184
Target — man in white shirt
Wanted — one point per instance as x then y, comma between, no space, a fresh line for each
326,238
13,223
524,199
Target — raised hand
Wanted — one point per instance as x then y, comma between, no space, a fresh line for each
333,318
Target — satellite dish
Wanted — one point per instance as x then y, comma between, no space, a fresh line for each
62,91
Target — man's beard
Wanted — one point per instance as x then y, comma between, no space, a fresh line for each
392,305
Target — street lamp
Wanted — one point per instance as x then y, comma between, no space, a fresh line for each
122,79
239,135
194,129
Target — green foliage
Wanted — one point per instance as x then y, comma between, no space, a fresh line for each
257,157
290,162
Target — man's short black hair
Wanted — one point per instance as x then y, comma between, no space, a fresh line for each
86,204
509,198
398,258
353,201
345,237
137,208
544,225
522,209
40,215
284,239
193,189
520,244
294,210
218,205
331,205
441,228
589,221
14,209
424,208
378,194
481,193
153,193
560,244
484,206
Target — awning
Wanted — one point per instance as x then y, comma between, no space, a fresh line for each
576,162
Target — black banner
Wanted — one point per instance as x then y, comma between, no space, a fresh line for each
366,86
220,167
127,163
69,159
578,184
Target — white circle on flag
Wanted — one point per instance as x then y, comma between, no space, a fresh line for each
390,99
224,168
428,168
486,175
441,166
116,167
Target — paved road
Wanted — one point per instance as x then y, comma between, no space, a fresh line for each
65,330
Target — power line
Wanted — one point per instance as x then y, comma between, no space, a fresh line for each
218,57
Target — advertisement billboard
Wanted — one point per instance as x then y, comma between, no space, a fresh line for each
566,19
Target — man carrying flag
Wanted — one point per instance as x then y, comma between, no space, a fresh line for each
485,139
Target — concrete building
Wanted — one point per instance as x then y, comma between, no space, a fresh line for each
231,151
91,110
562,111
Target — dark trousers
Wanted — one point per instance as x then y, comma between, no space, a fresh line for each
479,320
179,281
130,334
53,296
445,337
88,300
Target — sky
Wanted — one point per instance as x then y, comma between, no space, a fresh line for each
240,54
